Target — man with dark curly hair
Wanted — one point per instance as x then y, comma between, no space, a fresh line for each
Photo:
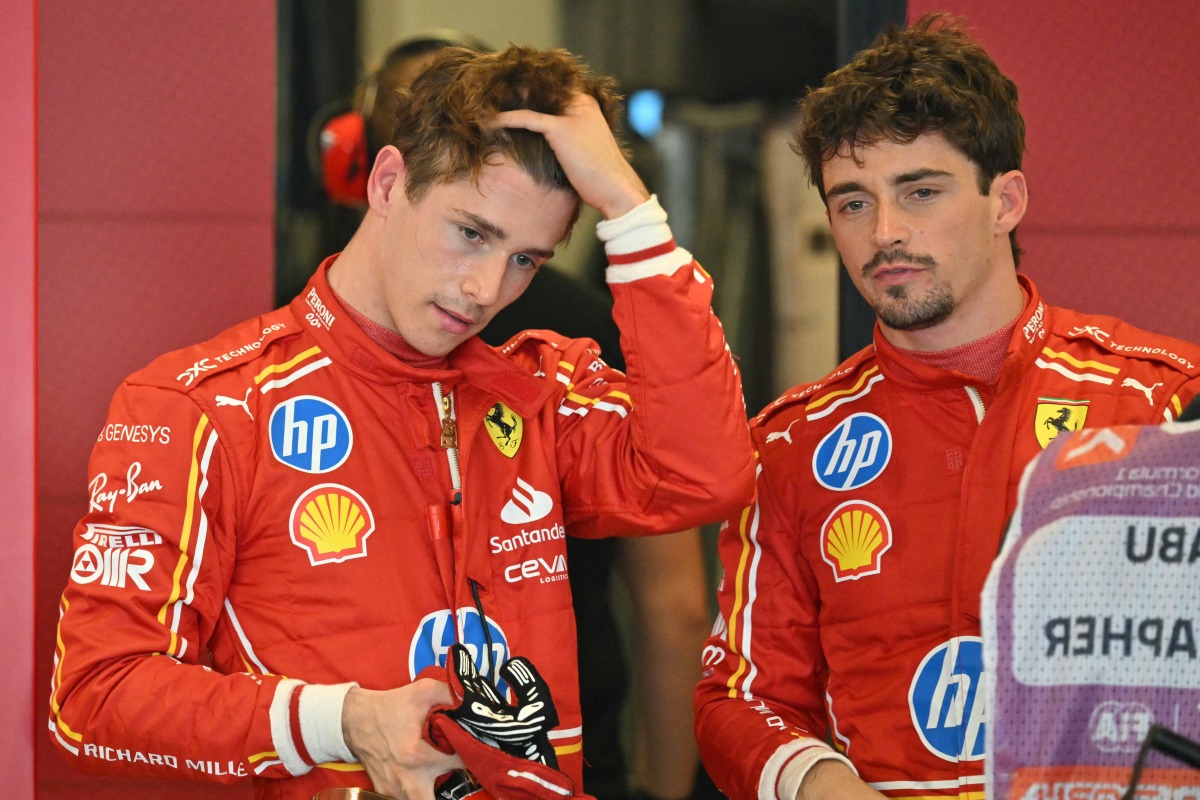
294,525
847,659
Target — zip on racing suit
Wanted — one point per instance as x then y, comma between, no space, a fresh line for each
850,597
287,508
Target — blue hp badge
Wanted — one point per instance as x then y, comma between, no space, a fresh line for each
853,454
310,434
431,643
946,706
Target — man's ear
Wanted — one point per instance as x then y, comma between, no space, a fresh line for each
387,177
1012,194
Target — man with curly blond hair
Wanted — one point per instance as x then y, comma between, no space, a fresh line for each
847,660
295,525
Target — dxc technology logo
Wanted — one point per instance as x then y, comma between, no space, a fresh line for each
854,453
310,434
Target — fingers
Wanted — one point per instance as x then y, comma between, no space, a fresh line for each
533,695
474,687
581,105
588,153
385,729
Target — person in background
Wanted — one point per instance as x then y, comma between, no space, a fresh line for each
847,660
664,575
326,547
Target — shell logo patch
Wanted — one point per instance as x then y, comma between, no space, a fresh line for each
854,539
331,523
505,428
1055,416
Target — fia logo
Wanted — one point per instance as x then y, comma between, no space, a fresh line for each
944,700
1117,727
437,631
854,453
310,434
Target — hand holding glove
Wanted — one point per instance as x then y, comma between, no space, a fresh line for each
506,747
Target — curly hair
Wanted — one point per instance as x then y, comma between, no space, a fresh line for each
442,119
927,78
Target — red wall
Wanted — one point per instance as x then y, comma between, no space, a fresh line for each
1108,93
17,262
155,227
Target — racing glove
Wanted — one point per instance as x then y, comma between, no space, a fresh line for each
506,747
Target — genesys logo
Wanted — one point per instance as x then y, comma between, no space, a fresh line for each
525,538
527,505
135,434
310,434
437,631
944,701
854,453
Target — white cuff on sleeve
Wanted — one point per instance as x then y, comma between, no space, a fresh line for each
306,724
639,244
786,768
642,226
281,731
321,722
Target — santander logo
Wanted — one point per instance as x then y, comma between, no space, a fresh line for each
527,505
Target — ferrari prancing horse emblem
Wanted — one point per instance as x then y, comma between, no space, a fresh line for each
1055,416
505,428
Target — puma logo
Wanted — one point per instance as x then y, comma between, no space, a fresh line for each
785,434
222,400
1134,383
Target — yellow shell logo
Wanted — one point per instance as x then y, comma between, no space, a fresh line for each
1057,416
331,523
854,539
505,428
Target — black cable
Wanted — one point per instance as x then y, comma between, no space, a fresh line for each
493,672
1167,742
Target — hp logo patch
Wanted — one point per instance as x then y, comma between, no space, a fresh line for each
944,700
310,434
437,631
853,454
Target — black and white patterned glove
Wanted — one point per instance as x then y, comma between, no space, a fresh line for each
521,730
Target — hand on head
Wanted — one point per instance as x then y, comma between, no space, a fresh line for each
588,152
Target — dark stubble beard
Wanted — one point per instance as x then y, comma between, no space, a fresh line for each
915,314
905,313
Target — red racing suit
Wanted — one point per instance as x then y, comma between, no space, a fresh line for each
851,589
274,511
